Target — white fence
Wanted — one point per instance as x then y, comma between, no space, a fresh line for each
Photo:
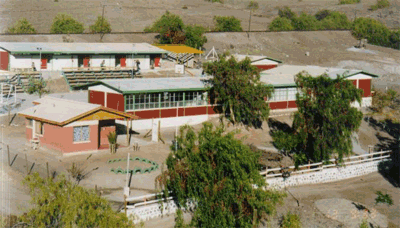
149,207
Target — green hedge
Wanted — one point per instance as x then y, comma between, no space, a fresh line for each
135,170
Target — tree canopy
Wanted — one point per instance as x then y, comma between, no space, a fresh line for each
22,26
237,88
227,24
100,26
325,119
60,203
36,86
306,22
218,173
286,12
170,27
372,30
65,24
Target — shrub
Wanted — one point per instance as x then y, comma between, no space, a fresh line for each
342,2
195,36
306,22
372,30
281,24
290,221
22,26
364,224
112,137
227,24
170,26
320,15
383,198
336,20
253,5
100,26
220,1
286,12
380,4
64,23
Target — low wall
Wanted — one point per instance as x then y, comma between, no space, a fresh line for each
324,176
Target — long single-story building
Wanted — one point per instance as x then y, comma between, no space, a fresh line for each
173,101
56,56
70,126
261,62
282,79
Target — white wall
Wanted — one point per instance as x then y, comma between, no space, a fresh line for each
144,61
96,60
359,76
24,61
58,62
166,122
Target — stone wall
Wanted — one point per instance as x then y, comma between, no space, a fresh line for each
324,175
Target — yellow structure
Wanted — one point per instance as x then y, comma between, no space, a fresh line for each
179,48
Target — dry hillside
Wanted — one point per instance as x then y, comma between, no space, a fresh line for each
136,15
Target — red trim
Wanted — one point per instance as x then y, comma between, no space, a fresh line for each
365,85
265,67
96,97
4,60
165,113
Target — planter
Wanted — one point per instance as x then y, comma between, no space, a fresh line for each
113,148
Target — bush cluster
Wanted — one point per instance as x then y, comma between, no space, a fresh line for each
380,4
291,220
324,19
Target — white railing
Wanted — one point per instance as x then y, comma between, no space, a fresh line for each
319,166
148,207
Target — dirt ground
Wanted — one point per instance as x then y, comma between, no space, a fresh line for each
141,13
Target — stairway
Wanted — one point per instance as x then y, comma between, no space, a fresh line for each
19,80
78,78
183,57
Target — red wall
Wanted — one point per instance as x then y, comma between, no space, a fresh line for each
365,84
157,61
265,67
292,104
165,113
115,101
278,105
96,97
147,114
61,138
4,60
104,131
195,111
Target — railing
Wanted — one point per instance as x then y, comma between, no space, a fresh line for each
320,166
97,68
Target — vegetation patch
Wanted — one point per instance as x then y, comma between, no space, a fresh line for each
135,170
380,4
291,220
344,2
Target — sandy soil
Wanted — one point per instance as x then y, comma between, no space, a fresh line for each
140,14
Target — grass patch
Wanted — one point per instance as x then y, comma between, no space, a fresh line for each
291,221
344,2
220,1
380,4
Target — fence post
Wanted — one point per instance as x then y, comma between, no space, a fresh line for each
27,168
47,167
8,151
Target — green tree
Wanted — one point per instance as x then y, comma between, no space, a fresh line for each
372,30
306,22
237,88
22,26
195,36
286,12
325,120
220,174
36,86
281,24
170,27
63,204
100,26
380,4
65,24
336,20
227,24
394,39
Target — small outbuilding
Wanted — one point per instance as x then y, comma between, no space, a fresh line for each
71,126
261,62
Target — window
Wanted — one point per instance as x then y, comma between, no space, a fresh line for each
29,123
81,134
129,102
292,94
279,95
39,128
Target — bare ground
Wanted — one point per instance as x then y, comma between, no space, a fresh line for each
135,16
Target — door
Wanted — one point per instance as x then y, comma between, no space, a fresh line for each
43,63
4,60
157,61
86,61
120,61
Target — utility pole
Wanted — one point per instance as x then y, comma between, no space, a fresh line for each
102,19
40,57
